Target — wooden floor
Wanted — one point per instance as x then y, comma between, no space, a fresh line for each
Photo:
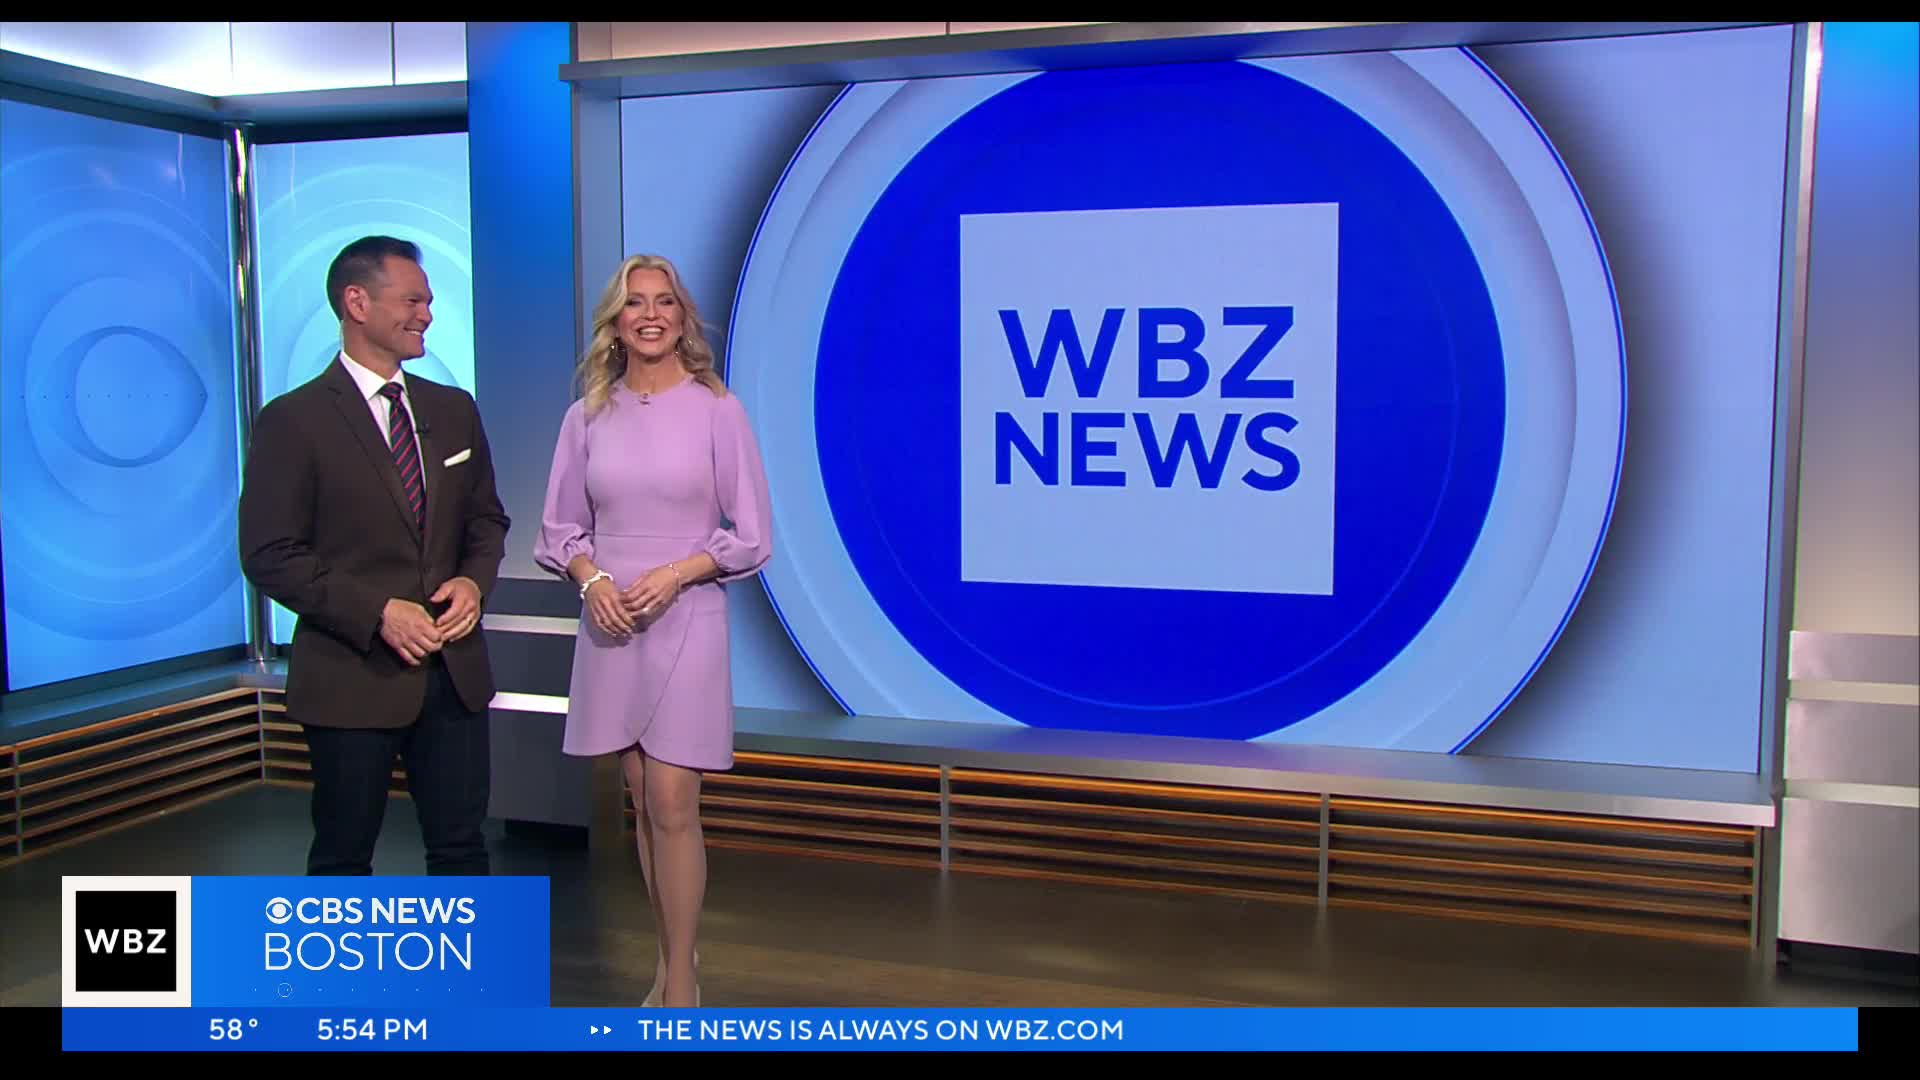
781,931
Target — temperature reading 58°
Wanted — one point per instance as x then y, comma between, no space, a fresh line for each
230,1030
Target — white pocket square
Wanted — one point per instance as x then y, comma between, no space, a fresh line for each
457,458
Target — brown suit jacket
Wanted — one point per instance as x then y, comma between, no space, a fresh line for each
325,529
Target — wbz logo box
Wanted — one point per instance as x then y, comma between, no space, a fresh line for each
126,941
1148,397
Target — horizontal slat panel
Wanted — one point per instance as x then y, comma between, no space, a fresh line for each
138,777
1077,785
1508,916
131,719
928,818
238,733
131,816
1000,869
1570,848
1513,869
819,832
880,857
31,765
1118,836
1624,902
1119,810
978,846
36,828
763,783
7,804
748,758
1627,826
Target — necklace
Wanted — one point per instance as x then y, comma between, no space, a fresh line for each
646,396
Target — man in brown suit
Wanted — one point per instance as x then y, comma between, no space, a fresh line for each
369,511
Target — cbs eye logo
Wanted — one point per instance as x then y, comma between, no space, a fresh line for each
126,941
279,910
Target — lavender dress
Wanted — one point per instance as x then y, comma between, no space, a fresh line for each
639,485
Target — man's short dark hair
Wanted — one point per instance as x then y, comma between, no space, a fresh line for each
360,263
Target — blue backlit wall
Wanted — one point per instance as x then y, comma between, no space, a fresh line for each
314,198
119,442
521,145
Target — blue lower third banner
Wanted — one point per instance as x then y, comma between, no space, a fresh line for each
1070,1030
305,942
463,963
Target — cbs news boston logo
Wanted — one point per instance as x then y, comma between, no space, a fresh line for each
293,941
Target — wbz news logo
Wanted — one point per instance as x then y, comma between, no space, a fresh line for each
1165,375
126,941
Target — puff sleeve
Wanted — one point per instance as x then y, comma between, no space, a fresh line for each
742,545
566,520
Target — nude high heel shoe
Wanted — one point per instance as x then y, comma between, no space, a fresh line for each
659,990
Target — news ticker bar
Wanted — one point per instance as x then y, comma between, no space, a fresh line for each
788,1030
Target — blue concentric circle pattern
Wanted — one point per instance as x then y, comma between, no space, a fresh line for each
119,473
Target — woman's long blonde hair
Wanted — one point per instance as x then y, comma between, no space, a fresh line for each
605,361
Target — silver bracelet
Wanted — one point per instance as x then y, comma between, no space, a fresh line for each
587,584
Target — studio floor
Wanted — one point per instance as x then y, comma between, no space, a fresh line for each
787,931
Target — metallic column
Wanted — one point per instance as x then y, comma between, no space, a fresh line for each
247,359
1790,375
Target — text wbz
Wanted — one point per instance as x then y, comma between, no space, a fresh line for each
127,942
1169,368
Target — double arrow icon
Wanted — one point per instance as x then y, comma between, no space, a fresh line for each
598,1030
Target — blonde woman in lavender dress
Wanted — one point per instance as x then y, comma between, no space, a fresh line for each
656,501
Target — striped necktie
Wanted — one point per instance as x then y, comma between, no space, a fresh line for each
406,456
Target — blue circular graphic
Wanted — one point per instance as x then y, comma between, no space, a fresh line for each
1044,597
1421,403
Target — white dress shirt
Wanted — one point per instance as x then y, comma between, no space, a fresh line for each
370,383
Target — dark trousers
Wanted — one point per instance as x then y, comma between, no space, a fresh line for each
448,763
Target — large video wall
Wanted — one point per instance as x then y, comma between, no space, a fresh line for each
1420,400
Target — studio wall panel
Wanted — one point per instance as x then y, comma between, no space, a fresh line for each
1853,742
429,52
1848,874
556,793
677,38
314,198
119,471
221,59
998,27
1860,456
194,56
270,57
519,125
526,330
